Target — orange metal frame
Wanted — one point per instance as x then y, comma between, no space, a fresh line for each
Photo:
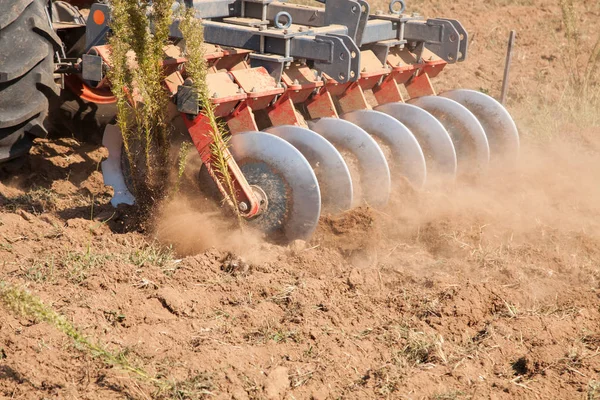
257,90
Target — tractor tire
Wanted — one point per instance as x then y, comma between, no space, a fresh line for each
27,46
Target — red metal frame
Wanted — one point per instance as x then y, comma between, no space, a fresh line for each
239,90
93,95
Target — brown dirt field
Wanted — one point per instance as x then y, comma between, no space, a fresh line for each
483,290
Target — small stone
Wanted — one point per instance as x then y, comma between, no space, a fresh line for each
234,265
25,215
355,278
277,383
171,300
239,394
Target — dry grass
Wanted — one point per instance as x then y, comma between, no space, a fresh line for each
584,66
572,102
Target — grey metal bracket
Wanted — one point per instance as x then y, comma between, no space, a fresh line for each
343,65
95,35
91,66
187,100
438,35
345,12
215,8
334,54
353,51
382,49
273,63
362,23
463,37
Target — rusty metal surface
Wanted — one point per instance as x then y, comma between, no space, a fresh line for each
419,86
200,132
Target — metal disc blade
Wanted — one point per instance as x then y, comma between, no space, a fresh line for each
434,139
374,184
332,172
468,136
408,158
499,127
112,169
282,172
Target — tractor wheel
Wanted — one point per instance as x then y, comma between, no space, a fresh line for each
27,45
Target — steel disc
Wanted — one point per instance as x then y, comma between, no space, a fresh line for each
408,158
375,184
282,172
332,172
435,141
112,167
468,136
499,127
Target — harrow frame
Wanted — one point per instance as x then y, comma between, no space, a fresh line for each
294,63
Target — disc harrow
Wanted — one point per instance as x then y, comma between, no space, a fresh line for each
328,108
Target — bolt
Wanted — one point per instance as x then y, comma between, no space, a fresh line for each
300,29
243,206
215,95
296,82
415,14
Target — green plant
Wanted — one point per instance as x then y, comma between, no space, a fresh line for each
182,157
451,395
136,77
23,303
197,70
152,255
40,271
593,392
78,265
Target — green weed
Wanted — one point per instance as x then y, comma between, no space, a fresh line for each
197,71
23,303
142,102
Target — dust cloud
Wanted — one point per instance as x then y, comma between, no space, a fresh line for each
550,199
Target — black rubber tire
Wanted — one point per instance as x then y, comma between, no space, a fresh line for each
27,46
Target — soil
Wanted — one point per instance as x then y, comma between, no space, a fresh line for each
486,289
